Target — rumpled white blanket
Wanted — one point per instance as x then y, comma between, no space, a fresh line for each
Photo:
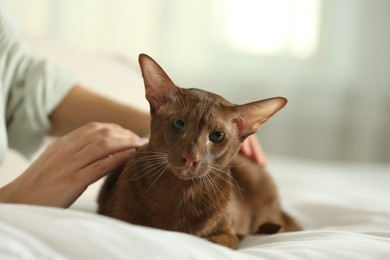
345,209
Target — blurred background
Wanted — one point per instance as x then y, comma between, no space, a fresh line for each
330,58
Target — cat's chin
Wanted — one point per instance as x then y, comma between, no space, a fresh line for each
185,174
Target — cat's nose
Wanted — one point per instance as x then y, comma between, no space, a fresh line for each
190,160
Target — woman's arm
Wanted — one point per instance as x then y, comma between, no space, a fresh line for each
82,106
83,155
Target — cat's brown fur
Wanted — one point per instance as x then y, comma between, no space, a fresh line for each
186,179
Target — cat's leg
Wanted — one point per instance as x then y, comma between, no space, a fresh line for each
224,233
226,239
269,228
287,224
290,224
258,201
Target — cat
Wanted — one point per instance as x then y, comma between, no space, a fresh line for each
190,176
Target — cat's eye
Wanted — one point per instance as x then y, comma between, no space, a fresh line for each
178,124
216,137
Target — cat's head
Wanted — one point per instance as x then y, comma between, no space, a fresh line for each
198,131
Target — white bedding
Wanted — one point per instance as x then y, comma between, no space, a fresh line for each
345,209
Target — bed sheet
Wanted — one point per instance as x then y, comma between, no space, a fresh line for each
343,207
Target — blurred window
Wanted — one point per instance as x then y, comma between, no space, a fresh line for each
274,27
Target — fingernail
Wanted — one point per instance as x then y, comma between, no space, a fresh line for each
143,141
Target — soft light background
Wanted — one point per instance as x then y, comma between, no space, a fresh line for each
330,58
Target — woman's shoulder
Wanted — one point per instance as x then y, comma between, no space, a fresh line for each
8,28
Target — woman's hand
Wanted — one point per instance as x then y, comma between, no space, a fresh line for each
71,163
252,149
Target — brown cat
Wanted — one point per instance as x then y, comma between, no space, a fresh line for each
189,178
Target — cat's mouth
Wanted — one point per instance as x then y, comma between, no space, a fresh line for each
188,174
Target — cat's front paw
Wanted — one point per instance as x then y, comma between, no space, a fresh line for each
225,239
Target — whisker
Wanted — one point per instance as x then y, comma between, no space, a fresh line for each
230,180
210,183
146,159
151,152
164,169
150,172
218,187
181,102
149,158
242,164
146,165
185,104
136,175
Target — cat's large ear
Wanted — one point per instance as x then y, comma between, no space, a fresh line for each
251,116
159,88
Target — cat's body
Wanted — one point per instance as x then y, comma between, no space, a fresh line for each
189,178
147,199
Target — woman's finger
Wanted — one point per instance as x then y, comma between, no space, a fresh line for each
251,148
102,148
84,135
102,167
90,143
245,149
258,154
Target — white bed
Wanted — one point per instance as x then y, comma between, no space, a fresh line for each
344,207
